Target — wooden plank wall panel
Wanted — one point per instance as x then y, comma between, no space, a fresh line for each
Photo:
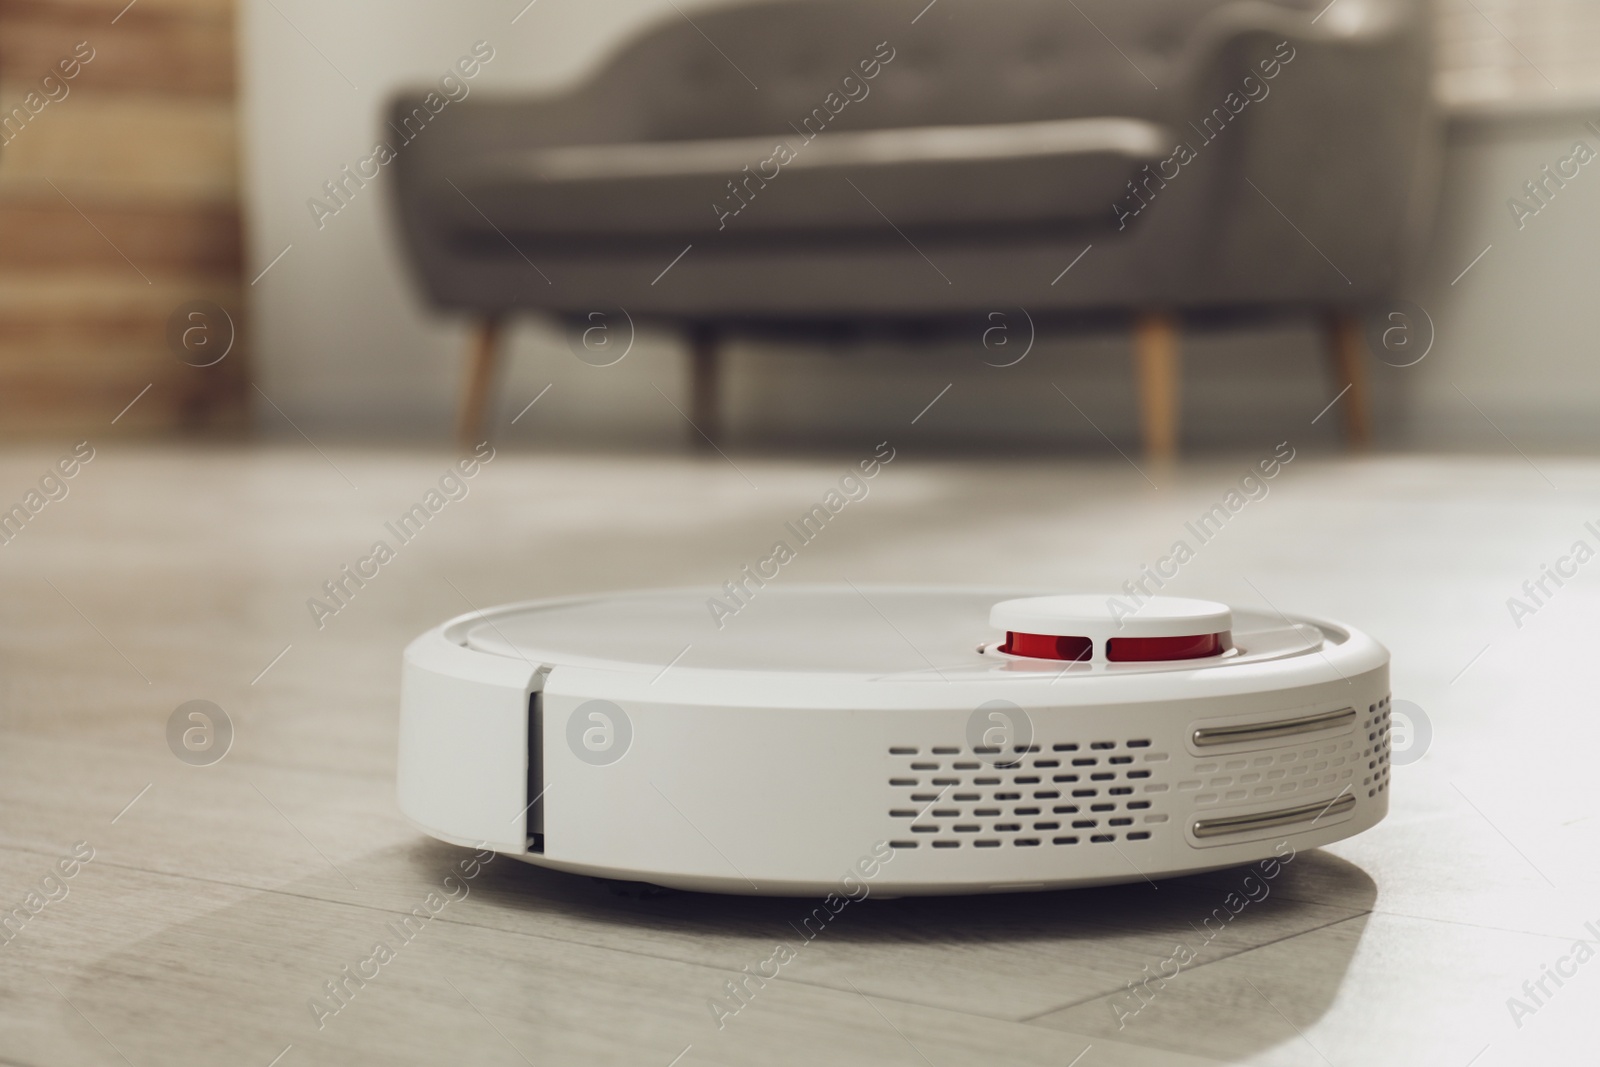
134,147
109,355
188,53
118,203
41,233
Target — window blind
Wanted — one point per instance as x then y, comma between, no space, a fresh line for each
1518,53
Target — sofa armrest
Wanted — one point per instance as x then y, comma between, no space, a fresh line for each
1327,121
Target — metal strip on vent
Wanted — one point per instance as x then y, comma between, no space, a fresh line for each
1266,820
1210,736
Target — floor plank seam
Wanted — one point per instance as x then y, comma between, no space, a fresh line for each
454,921
1031,1019
545,937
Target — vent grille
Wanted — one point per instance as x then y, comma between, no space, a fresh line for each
1032,796
1375,776
1298,770
1284,773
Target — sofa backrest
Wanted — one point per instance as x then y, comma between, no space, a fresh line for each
758,67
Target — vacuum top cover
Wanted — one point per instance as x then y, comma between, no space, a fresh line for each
897,632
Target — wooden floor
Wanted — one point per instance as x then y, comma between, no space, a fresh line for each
219,900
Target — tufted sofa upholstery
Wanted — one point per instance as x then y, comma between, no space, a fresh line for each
994,141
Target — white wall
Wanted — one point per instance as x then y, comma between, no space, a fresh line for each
1517,334
341,341
344,346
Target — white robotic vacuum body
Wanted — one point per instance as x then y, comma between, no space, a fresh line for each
920,740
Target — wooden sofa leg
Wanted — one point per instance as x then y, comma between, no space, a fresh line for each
705,409
1347,349
1156,362
483,354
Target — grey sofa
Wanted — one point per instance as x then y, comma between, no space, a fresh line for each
819,161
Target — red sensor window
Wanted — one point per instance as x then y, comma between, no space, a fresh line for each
1155,649
1048,646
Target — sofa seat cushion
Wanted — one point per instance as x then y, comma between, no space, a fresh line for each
922,179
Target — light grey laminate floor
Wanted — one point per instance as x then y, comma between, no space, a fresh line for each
220,899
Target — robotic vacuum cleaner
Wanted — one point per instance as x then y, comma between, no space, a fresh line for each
795,739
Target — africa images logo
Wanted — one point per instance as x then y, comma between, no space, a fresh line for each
599,732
